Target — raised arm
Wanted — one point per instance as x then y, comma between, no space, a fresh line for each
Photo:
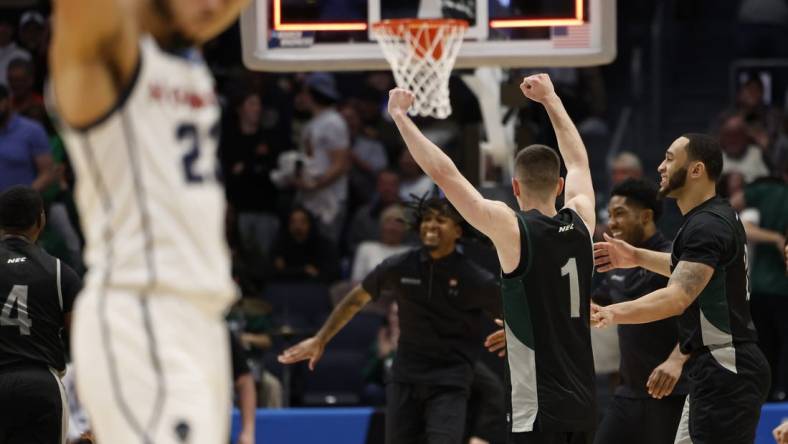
579,190
495,219
93,55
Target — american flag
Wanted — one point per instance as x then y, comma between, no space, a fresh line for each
571,36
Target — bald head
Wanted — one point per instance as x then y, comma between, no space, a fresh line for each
538,168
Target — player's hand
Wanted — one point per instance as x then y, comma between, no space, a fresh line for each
537,87
245,437
496,342
781,433
603,317
594,310
309,349
400,101
612,254
664,378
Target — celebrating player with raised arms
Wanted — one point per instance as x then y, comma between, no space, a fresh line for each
547,262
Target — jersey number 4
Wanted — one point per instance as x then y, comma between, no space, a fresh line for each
18,298
570,269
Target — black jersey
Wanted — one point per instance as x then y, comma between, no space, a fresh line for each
441,307
719,318
546,304
643,346
36,291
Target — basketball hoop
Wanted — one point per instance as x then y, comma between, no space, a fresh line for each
421,53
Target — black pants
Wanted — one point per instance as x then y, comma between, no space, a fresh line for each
641,420
551,438
31,406
769,314
419,413
724,407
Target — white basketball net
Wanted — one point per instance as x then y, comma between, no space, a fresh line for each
422,54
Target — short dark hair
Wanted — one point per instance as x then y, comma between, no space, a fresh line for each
538,168
442,206
706,149
20,208
640,192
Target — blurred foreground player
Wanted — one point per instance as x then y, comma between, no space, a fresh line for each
547,262
709,291
140,119
36,295
647,405
441,294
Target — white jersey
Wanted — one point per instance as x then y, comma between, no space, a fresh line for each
150,201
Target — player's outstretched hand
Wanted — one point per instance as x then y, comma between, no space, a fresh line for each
400,101
781,433
537,87
612,254
601,317
496,341
663,378
311,349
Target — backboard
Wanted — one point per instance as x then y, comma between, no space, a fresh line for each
334,35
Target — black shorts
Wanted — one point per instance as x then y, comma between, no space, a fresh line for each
724,407
551,438
640,420
31,406
420,413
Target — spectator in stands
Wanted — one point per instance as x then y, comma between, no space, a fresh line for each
8,48
34,38
769,298
764,122
24,99
365,224
371,253
738,151
302,253
413,182
325,141
626,165
367,155
371,103
25,157
247,158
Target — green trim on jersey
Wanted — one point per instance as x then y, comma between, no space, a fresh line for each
516,311
713,302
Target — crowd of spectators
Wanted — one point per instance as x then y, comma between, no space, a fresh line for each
318,182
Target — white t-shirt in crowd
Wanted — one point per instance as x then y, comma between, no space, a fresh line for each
751,165
326,132
370,254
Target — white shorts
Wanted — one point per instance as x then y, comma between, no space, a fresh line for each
151,369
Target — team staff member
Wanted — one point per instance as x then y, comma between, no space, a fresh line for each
442,295
647,405
708,288
36,295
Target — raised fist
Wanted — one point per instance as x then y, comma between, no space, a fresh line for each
400,101
537,87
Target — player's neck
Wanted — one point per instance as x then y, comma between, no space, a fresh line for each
441,251
648,233
694,196
546,208
22,236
